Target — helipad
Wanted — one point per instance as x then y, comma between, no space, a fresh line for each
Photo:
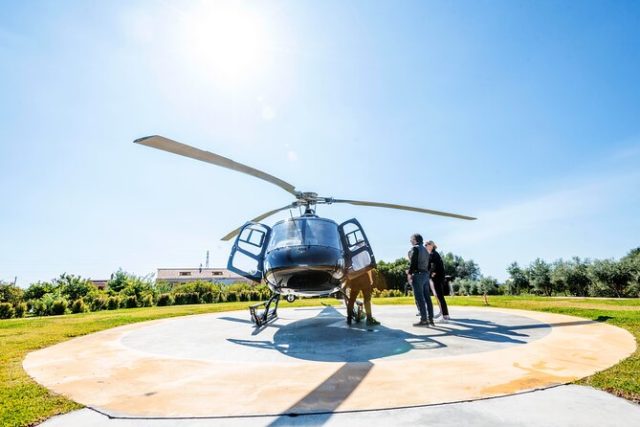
310,361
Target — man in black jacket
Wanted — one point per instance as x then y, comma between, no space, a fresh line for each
419,279
436,272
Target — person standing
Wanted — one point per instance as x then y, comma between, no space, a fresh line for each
436,272
362,283
419,278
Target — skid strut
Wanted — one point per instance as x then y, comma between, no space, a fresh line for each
269,313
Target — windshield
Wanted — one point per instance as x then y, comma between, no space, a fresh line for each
304,231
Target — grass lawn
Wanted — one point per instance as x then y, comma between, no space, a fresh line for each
23,402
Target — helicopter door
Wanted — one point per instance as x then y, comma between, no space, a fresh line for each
247,254
358,251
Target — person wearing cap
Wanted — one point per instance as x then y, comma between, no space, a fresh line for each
436,273
419,278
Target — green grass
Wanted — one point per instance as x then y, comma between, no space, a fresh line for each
23,402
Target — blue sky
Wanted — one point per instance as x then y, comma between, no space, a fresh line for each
525,114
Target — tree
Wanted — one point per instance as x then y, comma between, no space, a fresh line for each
571,277
118,281
632,260
539,273
614,277
73,287
393,274
38,290
488,286
456,267
10,293
519,281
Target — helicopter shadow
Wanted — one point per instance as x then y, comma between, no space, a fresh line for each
327,338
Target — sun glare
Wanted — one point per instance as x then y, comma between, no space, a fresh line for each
225,39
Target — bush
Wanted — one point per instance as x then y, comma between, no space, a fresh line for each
165,299
40,308
6,310
113,303
98,303
147,300
222,297
59,306
207,297
21,309
232,296
79,306
187,298
130,302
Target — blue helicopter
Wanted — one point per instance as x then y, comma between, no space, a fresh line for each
304,255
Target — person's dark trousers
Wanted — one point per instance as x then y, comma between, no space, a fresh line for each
427,299
440,286
418,282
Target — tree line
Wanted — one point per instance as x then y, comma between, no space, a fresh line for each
575,277
578,277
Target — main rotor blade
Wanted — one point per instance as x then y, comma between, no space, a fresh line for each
402,207
172,146
257,219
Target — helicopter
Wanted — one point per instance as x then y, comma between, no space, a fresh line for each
301,256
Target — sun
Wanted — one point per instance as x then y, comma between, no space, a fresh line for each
227,39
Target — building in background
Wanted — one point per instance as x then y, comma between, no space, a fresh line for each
185,275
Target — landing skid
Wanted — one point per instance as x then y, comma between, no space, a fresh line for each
261,318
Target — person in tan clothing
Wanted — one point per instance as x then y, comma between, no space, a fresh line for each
362,283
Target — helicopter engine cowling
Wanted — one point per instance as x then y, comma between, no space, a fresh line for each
305,270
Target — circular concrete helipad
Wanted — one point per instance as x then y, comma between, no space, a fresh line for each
310,361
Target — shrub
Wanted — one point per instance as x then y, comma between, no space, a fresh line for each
243,295
40,308
113,303
79,306
130,302
165,299
222,297
59,306
6,310
21,309
232,296
147,300
179,298
187,298
207,297
98,303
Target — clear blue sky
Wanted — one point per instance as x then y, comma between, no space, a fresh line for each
525,114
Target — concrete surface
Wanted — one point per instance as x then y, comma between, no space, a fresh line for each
567,406
310,361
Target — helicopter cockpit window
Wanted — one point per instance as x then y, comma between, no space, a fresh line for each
354,239
252,237
300,232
